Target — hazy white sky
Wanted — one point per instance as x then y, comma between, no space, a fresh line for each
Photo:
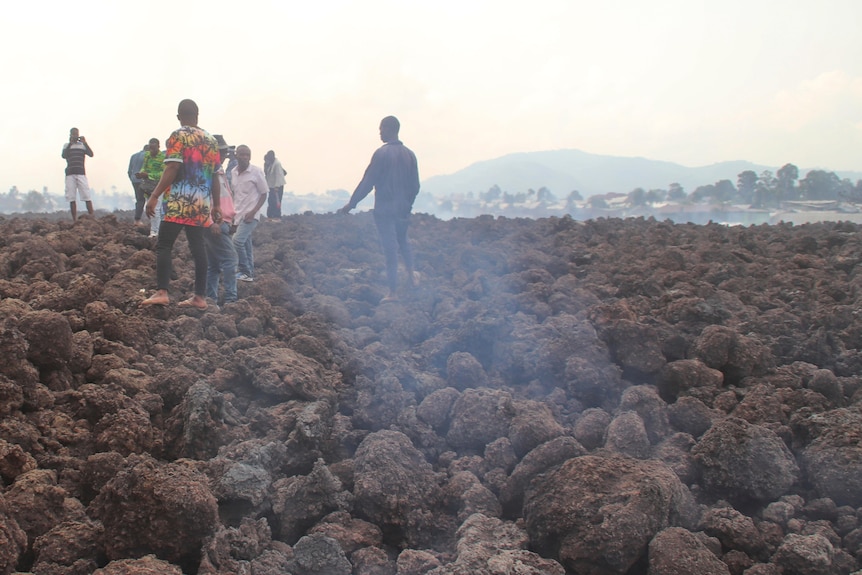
688,81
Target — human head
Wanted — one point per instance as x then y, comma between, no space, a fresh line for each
243,157
389,127
73,134
187,113
269,156
153,146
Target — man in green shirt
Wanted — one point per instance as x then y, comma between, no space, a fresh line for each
150,174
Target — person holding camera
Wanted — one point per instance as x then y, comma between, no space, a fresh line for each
76,178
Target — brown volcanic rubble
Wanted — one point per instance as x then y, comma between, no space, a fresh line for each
556,397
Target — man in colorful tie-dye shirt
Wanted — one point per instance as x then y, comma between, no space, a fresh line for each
191,195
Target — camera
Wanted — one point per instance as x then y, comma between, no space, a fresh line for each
80,139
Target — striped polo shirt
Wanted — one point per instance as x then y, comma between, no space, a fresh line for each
74,154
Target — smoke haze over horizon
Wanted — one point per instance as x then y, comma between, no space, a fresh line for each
687,82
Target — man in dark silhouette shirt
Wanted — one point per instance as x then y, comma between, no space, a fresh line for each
394,175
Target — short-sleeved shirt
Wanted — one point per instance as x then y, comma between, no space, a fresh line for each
189,199
248,186
74,155
153,165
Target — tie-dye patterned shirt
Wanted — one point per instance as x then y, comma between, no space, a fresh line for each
189,198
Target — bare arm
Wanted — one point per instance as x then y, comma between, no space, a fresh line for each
369,180
215,210
260,201
168,177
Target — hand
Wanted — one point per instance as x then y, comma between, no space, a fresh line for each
142,175
215,229
344,210
83,139
215,214
249,218
151,206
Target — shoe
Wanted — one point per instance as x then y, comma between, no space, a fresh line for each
154,234
244,278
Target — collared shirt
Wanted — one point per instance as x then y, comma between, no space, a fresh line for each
74,156
394,175
275,174
153,165
190,196
248,187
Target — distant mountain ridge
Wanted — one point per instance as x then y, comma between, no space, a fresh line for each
562,171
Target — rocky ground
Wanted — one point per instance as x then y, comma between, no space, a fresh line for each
555,397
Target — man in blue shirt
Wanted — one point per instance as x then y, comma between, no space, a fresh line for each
135,163
394,175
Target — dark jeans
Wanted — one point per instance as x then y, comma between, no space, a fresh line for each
168,233
140,200
273,202
392,231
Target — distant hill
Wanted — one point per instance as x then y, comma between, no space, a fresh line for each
562,171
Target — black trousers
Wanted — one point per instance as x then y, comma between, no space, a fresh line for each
273,202
168,233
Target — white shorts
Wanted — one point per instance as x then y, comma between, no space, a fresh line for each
77,186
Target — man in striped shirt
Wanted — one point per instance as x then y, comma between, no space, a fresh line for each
76,178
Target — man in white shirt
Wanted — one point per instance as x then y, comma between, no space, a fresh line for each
249,194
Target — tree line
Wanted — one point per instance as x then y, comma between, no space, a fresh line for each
33,201
14,201
759,191
764,190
